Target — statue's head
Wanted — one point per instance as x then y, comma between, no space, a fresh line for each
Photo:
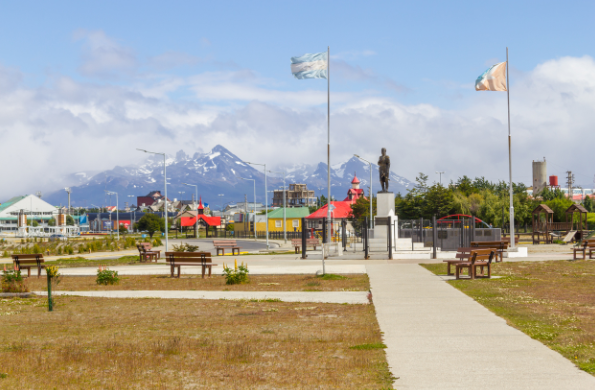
383,151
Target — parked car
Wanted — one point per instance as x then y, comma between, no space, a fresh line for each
57,237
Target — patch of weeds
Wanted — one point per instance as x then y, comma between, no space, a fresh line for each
265,300
106,276
366,347
272,309
331,277
313,284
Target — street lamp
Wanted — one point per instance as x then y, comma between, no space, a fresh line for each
371,196
133,214
440,173
284,205
165,189
254,225
117,211
266,209
196,193
67,189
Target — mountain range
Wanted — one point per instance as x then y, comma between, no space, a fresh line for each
218,175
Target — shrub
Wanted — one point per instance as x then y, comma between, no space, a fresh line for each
185,248
236,275
12,281
106,276
157,242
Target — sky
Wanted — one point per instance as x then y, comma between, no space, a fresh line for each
83,84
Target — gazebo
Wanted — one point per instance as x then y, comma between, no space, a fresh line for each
577,208
542,227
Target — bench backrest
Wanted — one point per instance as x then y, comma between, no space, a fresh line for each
296,242
482,255
29,259
188,257
224,242
464,253
507,240
144,246
313,241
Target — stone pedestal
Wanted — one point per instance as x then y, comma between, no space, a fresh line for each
385,202
385,207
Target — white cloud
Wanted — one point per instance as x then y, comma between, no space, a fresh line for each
69,126
103,57
172,59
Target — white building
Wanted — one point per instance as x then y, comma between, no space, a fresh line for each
34,208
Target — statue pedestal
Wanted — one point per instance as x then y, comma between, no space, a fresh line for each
385,202
385,207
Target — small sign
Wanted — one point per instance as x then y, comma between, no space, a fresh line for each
332,207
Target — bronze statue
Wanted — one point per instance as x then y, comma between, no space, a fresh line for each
384,170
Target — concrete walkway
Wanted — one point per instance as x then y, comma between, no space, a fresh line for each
439,338
351,297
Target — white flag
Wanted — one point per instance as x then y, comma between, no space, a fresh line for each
493,79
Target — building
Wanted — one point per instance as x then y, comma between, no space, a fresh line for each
149,199
298,195
293,216
34,209
354,192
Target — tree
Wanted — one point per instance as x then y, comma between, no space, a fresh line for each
230,227
52,222
360,210
151,223
438,201
123,229
69,220
589,204
34,224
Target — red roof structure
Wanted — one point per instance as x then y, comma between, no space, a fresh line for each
342,210
191,221
355,180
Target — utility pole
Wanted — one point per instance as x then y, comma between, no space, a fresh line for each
569,183
440,173
67,189
246,212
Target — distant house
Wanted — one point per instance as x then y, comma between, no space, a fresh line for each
34,208
298,195
149,199
293,216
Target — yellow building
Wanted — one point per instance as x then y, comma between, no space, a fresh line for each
293,216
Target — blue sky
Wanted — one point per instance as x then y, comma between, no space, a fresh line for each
401,71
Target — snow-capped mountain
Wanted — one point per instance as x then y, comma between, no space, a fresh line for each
219,175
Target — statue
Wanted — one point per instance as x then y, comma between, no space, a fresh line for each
384,170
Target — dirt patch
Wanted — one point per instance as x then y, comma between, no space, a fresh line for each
98,343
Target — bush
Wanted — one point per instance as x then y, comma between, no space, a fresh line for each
185,248
157,242
12,281
237,275
106,276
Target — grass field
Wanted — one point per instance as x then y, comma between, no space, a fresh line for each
98,343
71,262
357,282
553,302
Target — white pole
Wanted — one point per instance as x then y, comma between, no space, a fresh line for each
284,208
117,216
371,196
512,244
266,208
328,150
165,182
254,210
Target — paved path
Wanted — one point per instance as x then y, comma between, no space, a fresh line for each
439,338
351,297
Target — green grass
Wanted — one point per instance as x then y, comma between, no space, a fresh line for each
71,262
366,347
332,277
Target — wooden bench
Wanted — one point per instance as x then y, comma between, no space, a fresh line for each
587,245
28,261
479,258
297,243
463,254
146,252
499,246
220,245
197,259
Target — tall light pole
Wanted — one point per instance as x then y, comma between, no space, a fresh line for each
266,198
440,173
284,205
67,189
371,196
254,225
133,213
117,211
165,189
196,198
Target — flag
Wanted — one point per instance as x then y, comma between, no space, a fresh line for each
310,66
493,79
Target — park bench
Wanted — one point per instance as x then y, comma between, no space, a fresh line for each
297,243
479,258
146,252
587,245
29,261
220,245
463,254
197,259
499,246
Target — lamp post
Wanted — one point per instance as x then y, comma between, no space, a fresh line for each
165,189
440,173
266,209
117,212
68,190
284,205
371,197
254,207
133,214
196,193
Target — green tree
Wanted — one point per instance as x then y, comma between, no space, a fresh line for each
360,210
589,204
438,201
151,223
123,229
52,222
230,227
69,220
559,207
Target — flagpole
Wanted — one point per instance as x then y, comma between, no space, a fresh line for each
328,150
512,244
